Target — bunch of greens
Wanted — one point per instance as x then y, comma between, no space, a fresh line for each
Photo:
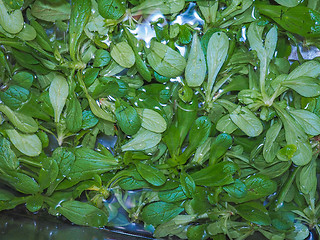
216,130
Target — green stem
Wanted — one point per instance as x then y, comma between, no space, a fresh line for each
33,175
218,86
270,101
263,73
29,162
46,130
60,133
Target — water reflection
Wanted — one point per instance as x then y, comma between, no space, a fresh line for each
145,31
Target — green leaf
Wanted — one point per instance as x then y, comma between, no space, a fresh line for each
172,139
80,14
73,114
143,140
58,93
187,114
172,195
14,97
282,220
89,162
11,21
271,42
216,175
216,55
187,183
225,124
185,35
287,152
160,212
28,144
28,33
199,131
21,182
196,65
22,122
175,227
88,119
247,121
23,79
113,9
165,61
305,86
51,12
199,203
101,58
90,75
8,159
123,54
299,20
289,3
258,186
48,173
132,184
307,179
295,135
219,147
254,212
255,38
164,6
309,121
307,69
34,203
14,4
153,121
151,174
98,112
127,117
271,146
303,154
83,214
197,232
237,189
64,159
6,195
140,64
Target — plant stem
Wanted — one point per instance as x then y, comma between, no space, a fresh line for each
263,73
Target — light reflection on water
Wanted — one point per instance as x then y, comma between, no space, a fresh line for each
145,31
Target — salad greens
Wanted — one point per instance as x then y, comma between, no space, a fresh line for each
213,124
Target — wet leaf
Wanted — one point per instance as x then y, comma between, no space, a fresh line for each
58,93
166,61
160,212
123,54
28,144
143,140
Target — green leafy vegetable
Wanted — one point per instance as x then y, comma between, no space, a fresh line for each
198,120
